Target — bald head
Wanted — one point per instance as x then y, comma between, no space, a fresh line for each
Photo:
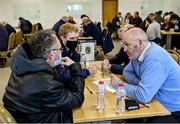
3,22
135,41
124,29
135,35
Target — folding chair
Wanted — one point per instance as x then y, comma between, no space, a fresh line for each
6,54
5,116
19,38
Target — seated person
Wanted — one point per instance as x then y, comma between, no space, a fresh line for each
175,21
137,20
154,33
68,36
91,30
128,19
8,27
25,25
121,57
145,24
39,26
33,95
166,24
71,20
58,24
151,74
3,38
116,21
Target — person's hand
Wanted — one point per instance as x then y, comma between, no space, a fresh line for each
114,79
66,61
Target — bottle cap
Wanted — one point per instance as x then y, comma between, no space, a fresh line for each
101,82
121,84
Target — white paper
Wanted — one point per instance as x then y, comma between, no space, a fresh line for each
107,84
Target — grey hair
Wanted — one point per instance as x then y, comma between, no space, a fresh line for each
42,43
125,28
138,34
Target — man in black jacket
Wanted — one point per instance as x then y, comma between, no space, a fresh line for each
3,38
25,25
145,24
91,30
8,27
33,94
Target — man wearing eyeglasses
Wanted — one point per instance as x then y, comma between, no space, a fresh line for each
33,94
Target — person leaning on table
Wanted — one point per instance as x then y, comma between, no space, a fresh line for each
33,95
151,73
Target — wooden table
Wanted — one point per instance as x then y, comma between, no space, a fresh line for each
88,112
169,37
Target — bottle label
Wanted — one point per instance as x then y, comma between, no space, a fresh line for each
100,93
120,94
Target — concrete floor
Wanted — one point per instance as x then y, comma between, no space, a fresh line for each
5,72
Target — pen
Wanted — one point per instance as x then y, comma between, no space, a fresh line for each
144,104
89,90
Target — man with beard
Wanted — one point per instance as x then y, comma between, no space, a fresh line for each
151,74
33,94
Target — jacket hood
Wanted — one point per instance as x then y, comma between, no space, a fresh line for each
22,61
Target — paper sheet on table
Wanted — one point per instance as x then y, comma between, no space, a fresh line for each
107,84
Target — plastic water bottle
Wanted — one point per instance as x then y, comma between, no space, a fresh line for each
83,61
100,95
104,68
120,98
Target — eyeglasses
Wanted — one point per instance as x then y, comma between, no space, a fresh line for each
60,49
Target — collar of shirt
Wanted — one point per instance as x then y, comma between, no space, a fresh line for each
141,57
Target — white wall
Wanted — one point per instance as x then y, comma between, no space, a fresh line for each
52,10
147,6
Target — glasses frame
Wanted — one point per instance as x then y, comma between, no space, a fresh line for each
60,49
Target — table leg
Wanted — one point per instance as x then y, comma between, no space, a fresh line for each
168,41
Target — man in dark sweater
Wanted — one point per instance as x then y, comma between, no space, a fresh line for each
91,30
3,38
8,27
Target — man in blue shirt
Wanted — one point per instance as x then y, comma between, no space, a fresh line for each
151,73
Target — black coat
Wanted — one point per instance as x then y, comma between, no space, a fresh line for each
10,29
57,25
145,24
93,31
25,26
3,38
33,95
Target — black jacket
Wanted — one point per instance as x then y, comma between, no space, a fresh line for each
10,29
34,95
145,24
3,38
57,25
25,26
93,31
